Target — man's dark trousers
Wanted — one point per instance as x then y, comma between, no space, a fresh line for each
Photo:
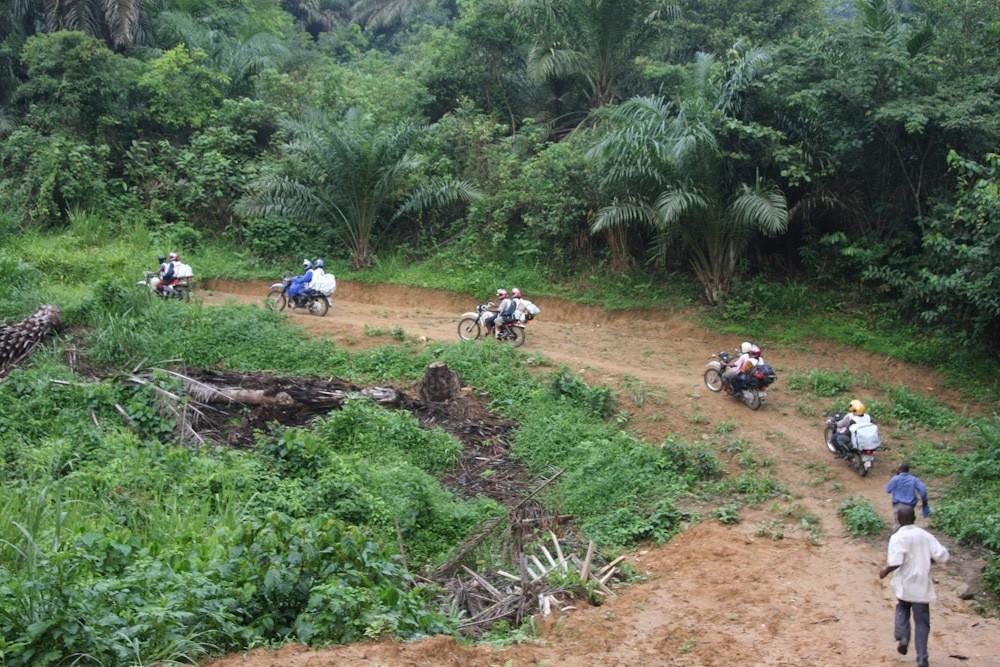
921,621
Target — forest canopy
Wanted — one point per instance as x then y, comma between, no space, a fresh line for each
851,144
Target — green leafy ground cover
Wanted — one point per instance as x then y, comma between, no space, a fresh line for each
120,547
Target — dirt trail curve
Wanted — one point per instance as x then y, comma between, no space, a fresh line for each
715,596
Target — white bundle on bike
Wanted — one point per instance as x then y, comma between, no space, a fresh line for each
183,271
526,310
324,284
864,437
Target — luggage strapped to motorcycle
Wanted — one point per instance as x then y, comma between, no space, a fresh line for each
865,437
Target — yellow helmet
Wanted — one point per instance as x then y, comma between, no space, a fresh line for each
857,407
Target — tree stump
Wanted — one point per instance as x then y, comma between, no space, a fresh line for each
440,383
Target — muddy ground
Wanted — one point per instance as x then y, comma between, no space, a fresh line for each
714,596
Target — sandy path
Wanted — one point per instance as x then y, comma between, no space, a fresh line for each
715,596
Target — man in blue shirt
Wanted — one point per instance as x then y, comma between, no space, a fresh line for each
904,489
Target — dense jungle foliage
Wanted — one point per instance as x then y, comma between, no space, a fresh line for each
845,144
800,167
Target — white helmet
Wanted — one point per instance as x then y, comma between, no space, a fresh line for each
745,347
307,264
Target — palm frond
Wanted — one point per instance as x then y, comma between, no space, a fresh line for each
703,63
379,14
550,63
280,196
880,20
253,55
624,214
439,193
742,73
675,204
174,26
761,207
121,18
920,39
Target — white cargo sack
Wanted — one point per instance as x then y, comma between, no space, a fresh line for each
183,271
865,436
530,307
326,284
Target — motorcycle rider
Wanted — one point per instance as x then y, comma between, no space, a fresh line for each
506,310
490,321
169,275
298,285
736,374
156,282
856,415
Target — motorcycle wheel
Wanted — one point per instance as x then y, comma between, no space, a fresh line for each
275,299
713,380
755,401
182,293
319,305
854,460
862,470
518,336
827,437
469,329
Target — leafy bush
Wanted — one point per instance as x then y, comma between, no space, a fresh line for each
860,517
821,383
970,511
600,401
58,174
728,515
909,407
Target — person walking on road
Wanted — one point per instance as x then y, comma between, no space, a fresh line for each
904,489
912,551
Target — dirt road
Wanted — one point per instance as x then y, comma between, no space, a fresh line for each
715,596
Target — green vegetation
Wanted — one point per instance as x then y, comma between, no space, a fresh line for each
860,517
628,153
802,168
94,504
821,383
970,510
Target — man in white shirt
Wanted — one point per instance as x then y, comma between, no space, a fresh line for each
912,550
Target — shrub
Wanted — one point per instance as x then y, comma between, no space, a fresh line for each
821,383
600,401
860,517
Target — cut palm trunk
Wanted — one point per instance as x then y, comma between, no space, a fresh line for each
20,339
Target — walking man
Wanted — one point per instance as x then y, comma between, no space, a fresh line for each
904,489
912,550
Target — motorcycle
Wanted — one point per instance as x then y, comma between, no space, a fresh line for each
753,391
862,457
179,289
313,301
472,326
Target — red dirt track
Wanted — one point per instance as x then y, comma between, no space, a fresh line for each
715,596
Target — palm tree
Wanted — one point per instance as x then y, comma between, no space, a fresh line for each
351,175
597,40
382,14
666,161
239,59
116,21
120,23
